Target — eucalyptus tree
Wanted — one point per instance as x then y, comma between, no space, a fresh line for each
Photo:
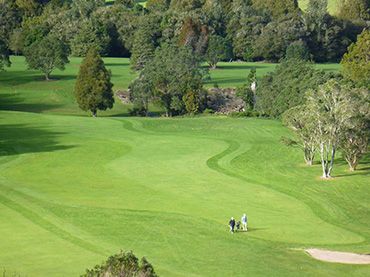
300,120
332,106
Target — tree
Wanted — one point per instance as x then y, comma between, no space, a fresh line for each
10,19
145,41
354,143
332,107
85,8
354,139
90,34
357,11
4,55
158,5
297,50
16,41
122,264
277,36
300,120
191,101
218,49
194,34
141,94
356,63
244,27
46,55
285,88
277,8
172,73
93,87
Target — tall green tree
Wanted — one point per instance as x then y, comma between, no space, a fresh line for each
218,49
145,41
46,55
356,63
173,73
277,36
90,34
10,19
93,89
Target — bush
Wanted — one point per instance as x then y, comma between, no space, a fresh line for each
122,264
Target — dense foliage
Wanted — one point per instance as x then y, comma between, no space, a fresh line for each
285,88
122,264
216,30
173,78
356,63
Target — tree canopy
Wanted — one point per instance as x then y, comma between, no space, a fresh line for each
356,63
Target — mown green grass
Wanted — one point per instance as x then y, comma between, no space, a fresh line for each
74,190
25,90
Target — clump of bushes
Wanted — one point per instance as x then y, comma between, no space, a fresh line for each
122,264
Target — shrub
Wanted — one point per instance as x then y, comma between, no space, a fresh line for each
122,264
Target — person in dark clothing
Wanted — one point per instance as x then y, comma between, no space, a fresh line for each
232,225
238,226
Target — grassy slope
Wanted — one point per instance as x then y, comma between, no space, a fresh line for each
332,5
74,189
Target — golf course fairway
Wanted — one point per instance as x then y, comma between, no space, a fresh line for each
74,190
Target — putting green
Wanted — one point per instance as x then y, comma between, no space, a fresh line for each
74,190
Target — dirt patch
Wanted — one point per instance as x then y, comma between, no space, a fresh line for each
338,257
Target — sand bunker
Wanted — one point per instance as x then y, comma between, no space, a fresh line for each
338,257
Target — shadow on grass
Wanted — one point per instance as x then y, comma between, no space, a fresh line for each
224,81
18,139
251,230
13,102
234,66
117,64
363,167
15,78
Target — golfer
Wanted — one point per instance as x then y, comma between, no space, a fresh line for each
232,225
244,220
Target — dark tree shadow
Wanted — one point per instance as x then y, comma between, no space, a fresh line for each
13,102
117,64
235,66
18,139
225,81
15,78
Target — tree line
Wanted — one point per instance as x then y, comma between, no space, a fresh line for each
249,30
